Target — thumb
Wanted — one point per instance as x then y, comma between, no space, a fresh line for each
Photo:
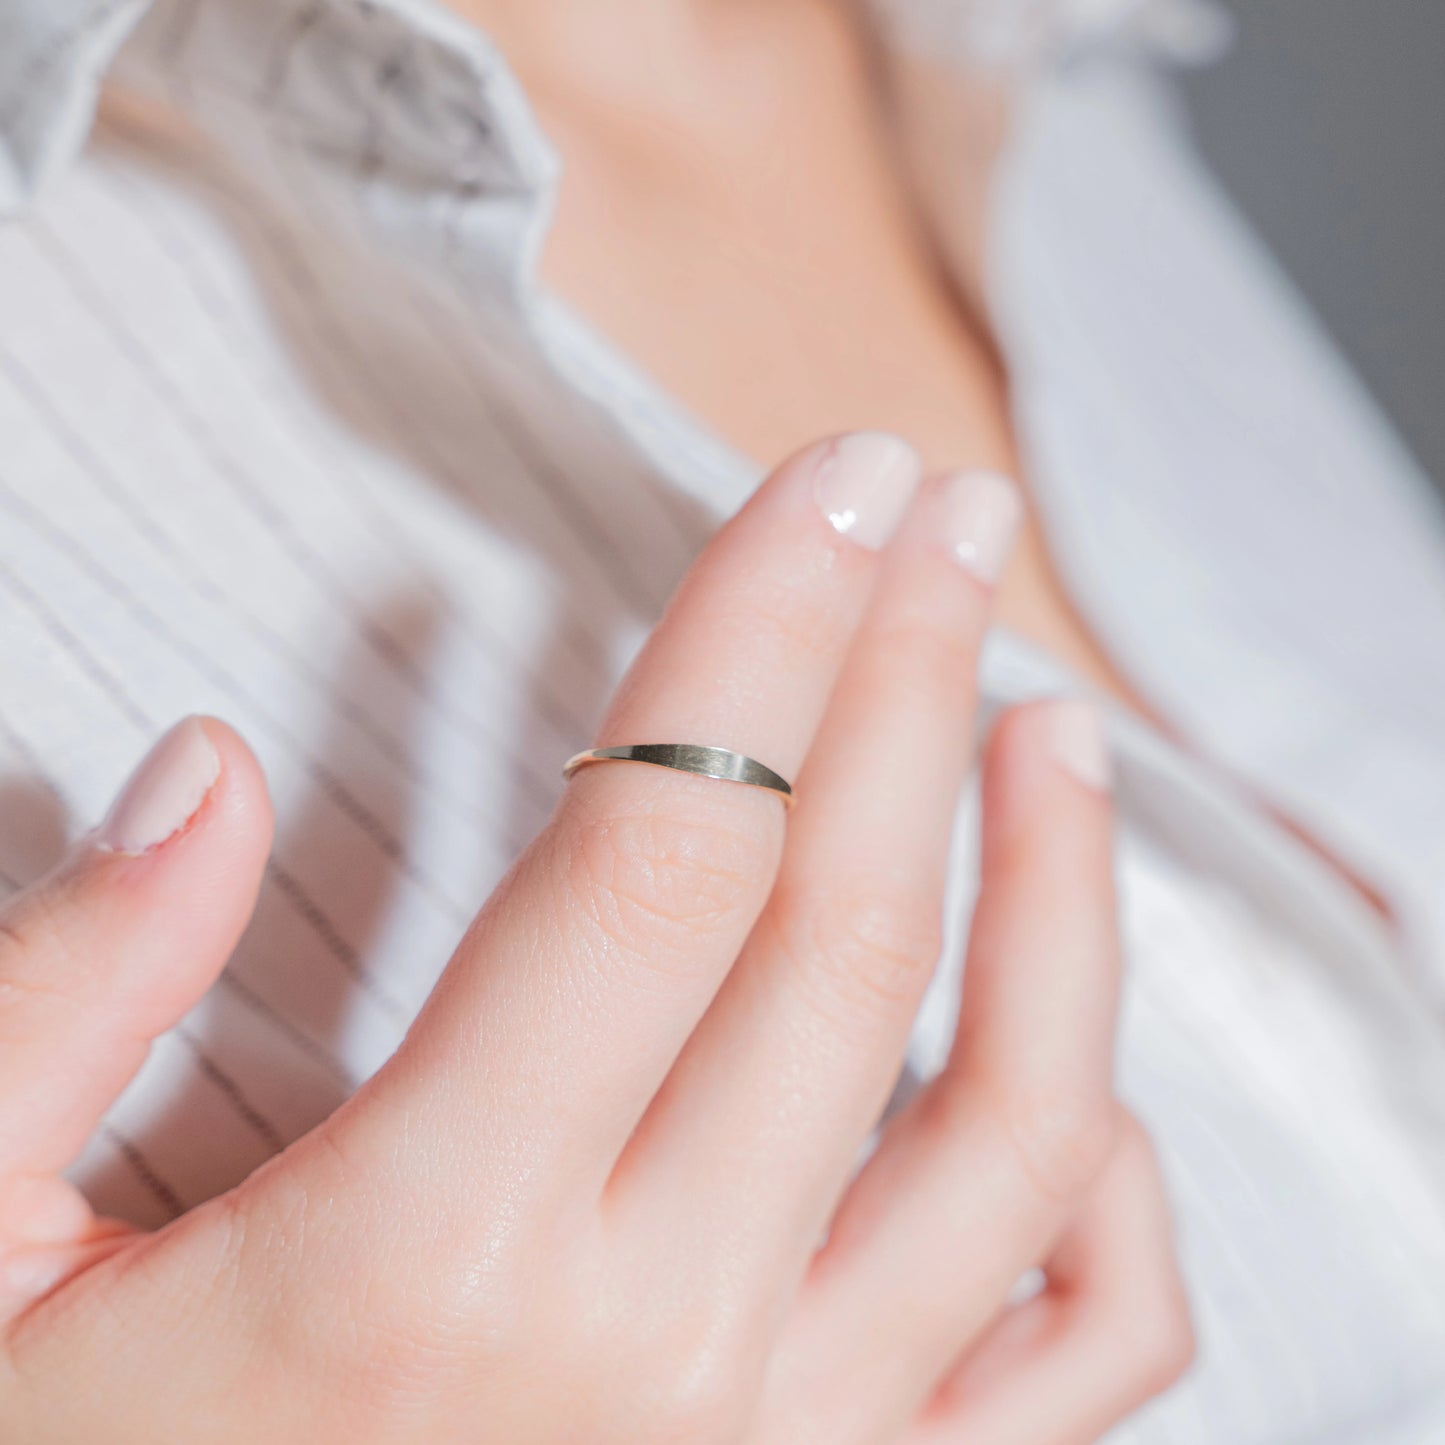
120,941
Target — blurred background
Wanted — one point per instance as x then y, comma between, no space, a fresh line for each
1327,123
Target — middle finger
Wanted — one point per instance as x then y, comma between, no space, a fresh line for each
572,994
794,1061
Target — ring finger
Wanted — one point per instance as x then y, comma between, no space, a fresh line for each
974,1183
1108,1332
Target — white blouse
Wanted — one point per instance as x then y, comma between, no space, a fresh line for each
292,434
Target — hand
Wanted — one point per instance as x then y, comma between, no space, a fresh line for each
584,1201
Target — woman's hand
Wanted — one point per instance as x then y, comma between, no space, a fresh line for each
586,1201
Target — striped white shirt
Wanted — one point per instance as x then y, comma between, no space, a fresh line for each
289,432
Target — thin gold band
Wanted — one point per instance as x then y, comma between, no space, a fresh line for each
720,763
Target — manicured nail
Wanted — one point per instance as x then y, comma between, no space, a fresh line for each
981,512
864,483
164,793
1076,736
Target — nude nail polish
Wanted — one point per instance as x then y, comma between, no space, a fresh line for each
164,793
1078,742
863,483
980,513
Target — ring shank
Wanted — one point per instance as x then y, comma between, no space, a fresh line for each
720,763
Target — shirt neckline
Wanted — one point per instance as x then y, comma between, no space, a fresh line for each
459,128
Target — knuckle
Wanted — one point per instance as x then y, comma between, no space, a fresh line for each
657,874
1176,1348
1163,1344
796,620
696,1389
691,1366
1062,1142
397,1331
699,1402
1133,1152
394,1364
38,958
867,945
405,1341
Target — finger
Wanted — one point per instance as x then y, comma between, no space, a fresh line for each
987,1165
572,995
760,1123
1109,1331
120,941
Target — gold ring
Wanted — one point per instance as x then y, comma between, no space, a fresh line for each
721,763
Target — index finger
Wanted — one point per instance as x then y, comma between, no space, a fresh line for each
580,981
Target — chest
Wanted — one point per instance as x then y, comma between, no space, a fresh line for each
758,251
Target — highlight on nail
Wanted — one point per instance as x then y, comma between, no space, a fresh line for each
863,484
981,512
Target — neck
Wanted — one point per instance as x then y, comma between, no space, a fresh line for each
604,38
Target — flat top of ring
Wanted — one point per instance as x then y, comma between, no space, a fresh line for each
709,762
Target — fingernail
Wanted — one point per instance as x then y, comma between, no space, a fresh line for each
981,512
164,793
1076,737
864,483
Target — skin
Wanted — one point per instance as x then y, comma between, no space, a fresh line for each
731,200
584,1199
